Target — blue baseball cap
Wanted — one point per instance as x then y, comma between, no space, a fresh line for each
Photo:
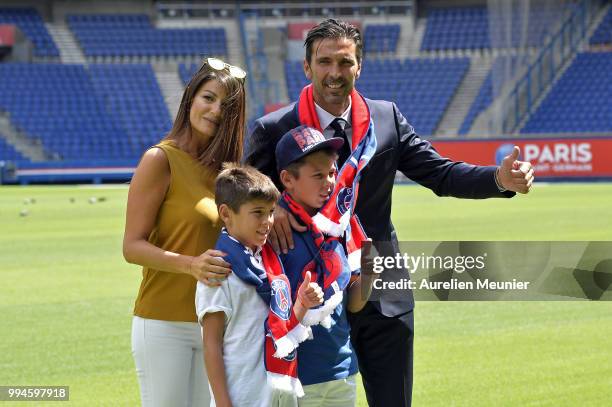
301,141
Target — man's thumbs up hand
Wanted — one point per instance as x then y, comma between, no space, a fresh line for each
515,175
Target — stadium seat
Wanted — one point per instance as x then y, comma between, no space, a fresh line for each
113,35
186,71
33,27
579,101
603,33
381,38
8,152
134,101
468,27
456,28
106,112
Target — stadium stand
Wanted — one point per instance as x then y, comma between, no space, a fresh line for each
294,73
7,152
108,35
33,27
580,100
468,28
456,28
381,38
485,94
132,97
603,33
421,88
186,71
57,104
481,102
110,113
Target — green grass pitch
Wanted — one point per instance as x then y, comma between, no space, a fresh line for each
66,299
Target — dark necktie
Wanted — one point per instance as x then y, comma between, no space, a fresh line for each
344,153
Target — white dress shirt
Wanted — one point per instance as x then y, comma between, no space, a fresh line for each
325,119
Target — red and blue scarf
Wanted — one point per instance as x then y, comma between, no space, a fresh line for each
329,266
337,217
282,329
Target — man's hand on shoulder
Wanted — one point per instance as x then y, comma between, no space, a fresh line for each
514,175
281,237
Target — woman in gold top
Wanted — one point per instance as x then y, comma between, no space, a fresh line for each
173,242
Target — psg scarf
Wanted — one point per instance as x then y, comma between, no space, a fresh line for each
282,329
329,267
337,217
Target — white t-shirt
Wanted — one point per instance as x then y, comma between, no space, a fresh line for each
243,340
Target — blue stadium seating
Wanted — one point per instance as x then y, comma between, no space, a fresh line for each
134,101
8,153
579,101
134,35
481,102
541,19
381,38
108,112
485,95
294,75
468,27
456,28
116,111
57,104
186,71
603,33
33,27
421,88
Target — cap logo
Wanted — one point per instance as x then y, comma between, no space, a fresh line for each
306,138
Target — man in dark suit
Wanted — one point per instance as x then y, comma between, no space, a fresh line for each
382,333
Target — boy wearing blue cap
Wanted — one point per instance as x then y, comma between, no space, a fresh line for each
327,365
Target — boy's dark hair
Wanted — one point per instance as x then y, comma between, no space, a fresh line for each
237,184
294,167
336,29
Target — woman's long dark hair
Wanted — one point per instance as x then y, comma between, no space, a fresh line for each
228,140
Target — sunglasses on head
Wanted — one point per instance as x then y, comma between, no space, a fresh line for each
219,65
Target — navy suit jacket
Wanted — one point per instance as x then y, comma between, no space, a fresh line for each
399,148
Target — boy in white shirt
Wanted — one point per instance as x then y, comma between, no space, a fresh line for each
233,315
